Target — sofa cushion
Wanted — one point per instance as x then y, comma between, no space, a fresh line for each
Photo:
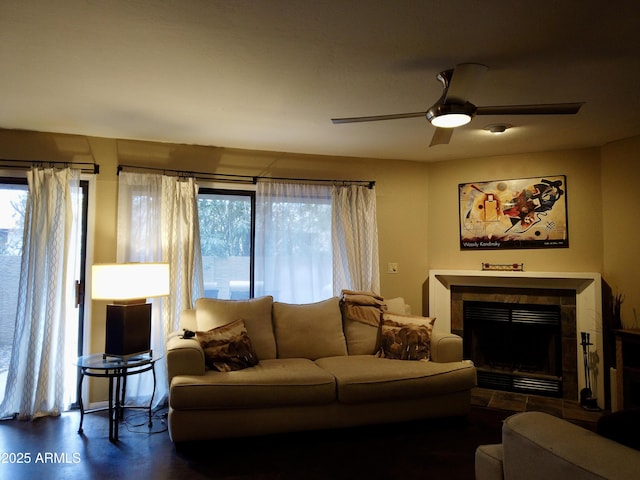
361,315
405,337
228,347
362,338
256,314
366,378
361,318
275,382
311,330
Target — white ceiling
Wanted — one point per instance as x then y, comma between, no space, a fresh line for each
270,74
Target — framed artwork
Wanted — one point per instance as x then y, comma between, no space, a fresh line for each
514,214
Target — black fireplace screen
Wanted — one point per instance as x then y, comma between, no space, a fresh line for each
515,347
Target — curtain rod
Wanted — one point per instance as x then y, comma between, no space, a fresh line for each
222,177
248,179
25,164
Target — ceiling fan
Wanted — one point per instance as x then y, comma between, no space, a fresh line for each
453,108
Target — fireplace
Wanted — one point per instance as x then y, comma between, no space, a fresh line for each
577,294
515,347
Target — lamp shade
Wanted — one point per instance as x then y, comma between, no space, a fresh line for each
129,281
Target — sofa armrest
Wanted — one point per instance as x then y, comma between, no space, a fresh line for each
446,347
489,462
539,445
184,357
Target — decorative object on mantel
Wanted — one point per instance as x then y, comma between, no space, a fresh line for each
503,267
514,214
617,310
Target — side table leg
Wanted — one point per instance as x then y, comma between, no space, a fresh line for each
80,379
111,413
124,394
118,406
153,393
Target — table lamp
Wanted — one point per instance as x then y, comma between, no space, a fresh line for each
128,286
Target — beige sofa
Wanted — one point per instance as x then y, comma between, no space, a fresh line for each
316,370
537,445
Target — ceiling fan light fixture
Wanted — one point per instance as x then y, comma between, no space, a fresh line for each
451,120
450,115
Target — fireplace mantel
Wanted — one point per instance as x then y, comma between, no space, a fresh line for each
588,288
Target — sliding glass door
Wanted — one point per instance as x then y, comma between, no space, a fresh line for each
13,201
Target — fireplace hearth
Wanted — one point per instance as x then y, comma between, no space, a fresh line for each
515,347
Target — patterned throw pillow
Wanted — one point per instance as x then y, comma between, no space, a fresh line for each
228,347
406,337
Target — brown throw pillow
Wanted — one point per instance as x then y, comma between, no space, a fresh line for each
228,347
406,337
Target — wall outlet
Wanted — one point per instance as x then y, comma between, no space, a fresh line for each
392,268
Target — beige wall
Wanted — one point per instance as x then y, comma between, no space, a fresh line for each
620,186
417,205
583,190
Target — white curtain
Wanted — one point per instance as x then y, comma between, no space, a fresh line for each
181,246
158,222
293,242
39,361
355,239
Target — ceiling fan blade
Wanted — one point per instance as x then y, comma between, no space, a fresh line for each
441,136
375,118
540,109
463,82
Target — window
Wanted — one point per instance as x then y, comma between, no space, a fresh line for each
294,258
226,238
13,201
276,242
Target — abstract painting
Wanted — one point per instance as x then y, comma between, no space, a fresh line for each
514,214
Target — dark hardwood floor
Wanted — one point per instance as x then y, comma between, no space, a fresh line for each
439,448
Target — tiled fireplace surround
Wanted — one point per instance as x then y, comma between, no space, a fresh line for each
566,299
578,294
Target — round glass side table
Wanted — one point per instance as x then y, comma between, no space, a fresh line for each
116,369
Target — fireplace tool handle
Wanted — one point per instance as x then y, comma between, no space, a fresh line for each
585,358
586,395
